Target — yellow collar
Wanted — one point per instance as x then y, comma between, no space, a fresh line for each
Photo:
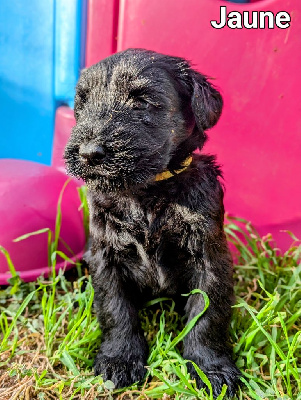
167,174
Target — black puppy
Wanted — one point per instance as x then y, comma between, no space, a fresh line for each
156,220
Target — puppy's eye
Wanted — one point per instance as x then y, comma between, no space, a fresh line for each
79,100
82,93
139,104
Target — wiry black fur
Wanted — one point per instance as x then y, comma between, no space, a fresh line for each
148,112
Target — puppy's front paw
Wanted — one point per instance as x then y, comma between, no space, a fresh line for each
220,371
122,372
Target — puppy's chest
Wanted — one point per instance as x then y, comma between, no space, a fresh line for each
118,221
150,241
122,222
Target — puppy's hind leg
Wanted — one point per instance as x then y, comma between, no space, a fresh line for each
123,351
206,344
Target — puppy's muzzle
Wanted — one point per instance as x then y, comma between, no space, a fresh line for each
91,154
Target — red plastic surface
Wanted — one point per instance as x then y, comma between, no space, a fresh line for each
258,71
101,30
29,193
64,122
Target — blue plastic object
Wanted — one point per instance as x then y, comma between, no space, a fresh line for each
40,60
70,16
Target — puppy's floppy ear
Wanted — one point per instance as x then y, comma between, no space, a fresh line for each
206,101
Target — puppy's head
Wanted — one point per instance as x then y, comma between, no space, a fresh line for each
138,113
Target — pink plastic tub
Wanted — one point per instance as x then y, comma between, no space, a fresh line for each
29,193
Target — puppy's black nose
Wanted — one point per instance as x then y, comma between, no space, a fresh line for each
92,153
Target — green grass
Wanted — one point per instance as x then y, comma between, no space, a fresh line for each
49,332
